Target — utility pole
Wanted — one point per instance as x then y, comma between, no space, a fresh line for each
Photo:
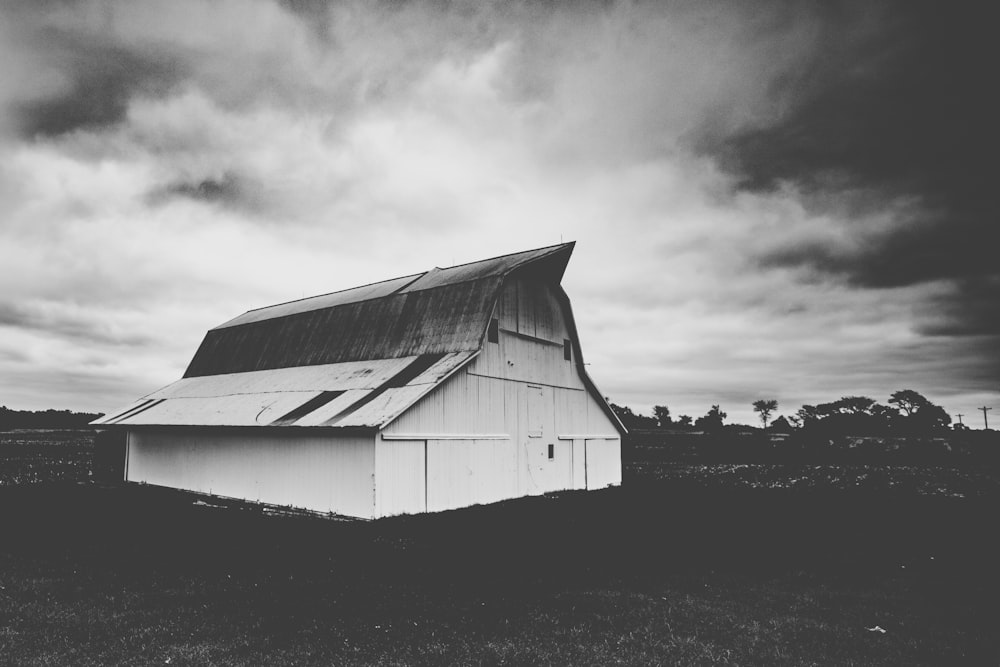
985,420
959,415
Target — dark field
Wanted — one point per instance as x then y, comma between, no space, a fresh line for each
686,564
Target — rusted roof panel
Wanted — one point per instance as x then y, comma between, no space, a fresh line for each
447,319
353,295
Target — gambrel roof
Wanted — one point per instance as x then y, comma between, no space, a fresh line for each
357,358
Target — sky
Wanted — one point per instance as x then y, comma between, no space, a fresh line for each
770,199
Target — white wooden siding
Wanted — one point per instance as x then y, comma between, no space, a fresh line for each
579,463
463,404
323,473
532,331
534,416
400,477
604,463
469,472
544,475
538,410
522,387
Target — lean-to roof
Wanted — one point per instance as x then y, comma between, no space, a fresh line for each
361,394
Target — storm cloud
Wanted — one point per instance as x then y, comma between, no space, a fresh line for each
895,106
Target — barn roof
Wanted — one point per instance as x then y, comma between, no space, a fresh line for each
437,312
355,358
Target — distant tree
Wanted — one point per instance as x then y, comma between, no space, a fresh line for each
782,425
631,419
920,415
854,405
661,414
11,419
623,412
848,414
684,420
908,401
764,408
808,416
884,416
712,420
931,417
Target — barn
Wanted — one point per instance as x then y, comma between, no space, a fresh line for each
454,387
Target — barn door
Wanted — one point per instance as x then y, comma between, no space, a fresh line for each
604,463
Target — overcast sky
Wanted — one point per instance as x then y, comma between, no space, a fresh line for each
790,200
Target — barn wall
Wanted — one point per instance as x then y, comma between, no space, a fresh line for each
527,396
323,473
400,477
468,472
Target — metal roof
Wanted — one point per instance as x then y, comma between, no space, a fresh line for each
352,295
437,277
440,311
352,394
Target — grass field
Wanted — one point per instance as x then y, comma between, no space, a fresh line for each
687,564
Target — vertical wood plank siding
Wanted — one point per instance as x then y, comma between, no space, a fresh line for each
604,463
470,472
400,477
323,473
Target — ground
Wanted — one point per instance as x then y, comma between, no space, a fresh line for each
685,564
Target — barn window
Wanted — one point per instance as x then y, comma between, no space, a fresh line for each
552,452
567,350
493,333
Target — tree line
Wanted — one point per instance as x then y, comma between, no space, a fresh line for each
906,411
11,419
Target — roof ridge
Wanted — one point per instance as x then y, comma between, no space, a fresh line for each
509,254
415,276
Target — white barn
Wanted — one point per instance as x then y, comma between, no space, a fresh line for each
429,392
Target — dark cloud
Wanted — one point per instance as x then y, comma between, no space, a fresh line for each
898,98
897,103
972,310
102,76
230,189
